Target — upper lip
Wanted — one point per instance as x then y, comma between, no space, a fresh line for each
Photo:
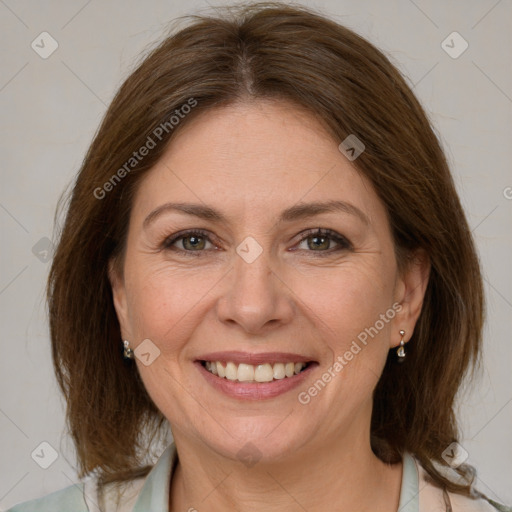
238,357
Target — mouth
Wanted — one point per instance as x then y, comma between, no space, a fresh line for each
254,376
243,372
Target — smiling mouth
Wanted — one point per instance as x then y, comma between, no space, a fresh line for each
266,372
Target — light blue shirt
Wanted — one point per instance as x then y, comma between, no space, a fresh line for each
154,495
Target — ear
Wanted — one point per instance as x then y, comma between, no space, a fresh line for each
409,293
119,297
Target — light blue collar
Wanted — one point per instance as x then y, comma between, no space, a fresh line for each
409,492
154,495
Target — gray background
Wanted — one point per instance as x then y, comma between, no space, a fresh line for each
52,107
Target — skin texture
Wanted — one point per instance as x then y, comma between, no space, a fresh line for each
251,161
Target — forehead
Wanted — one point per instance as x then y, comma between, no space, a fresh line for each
255,159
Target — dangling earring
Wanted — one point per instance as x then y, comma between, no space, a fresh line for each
401,351
128,352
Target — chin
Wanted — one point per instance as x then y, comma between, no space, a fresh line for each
252,439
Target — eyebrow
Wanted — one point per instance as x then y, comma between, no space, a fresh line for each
296,212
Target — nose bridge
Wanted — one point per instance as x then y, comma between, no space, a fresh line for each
255,296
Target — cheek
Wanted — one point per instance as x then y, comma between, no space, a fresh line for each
350,298
163,304
353,311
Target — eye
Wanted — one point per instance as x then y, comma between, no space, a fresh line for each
320,240
191,241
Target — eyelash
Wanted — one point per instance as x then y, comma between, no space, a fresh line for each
339,239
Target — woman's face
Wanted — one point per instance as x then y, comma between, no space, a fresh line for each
236,274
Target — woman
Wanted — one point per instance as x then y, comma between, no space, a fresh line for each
265,252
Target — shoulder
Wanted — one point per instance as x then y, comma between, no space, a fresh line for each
120,497
123,496
464,503
64,500
86,497
432,498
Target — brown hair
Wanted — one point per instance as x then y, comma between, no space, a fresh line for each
280,52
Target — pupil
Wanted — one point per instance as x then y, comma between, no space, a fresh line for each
194,241
317,238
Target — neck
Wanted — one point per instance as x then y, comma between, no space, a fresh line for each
342,474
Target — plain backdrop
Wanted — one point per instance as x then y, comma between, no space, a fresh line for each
51,108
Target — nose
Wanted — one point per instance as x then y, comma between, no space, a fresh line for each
255,297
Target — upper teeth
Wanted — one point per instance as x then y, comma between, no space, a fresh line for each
255,373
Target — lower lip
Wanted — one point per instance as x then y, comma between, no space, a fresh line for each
255,390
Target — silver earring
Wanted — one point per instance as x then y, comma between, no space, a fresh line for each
128,352
401,351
